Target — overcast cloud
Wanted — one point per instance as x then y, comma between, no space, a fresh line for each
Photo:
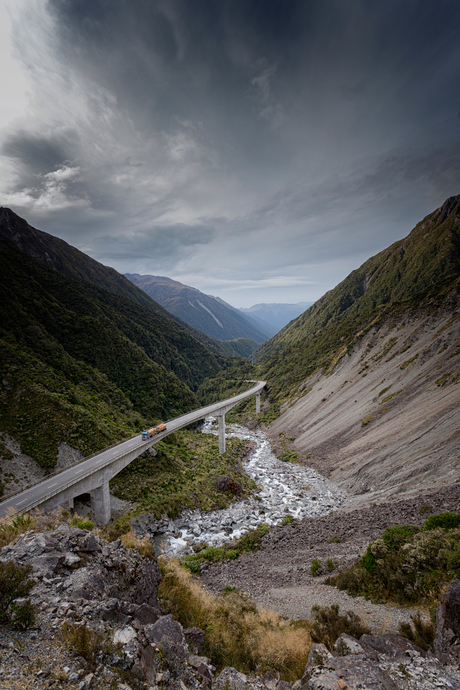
258,151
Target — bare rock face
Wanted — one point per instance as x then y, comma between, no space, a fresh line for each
447,640
375,662
106,569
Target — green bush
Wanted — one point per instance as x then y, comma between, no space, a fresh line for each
444,520
84,524
330,565
416,571
22,615
288,518
315,566
15,583
329,624
422,633
193,564
394,537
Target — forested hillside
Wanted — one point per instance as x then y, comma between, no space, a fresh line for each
85,366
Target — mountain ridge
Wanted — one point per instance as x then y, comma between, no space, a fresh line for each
402,269
211,315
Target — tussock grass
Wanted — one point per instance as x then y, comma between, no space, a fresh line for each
238,634
12,526
130,540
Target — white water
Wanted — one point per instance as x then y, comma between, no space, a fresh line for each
284,488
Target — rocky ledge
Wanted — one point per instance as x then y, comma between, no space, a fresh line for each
84,582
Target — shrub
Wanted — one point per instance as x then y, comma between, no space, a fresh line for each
193,564
22,615
15,583
414,571
83,524
10,529
330,565
444,520
83,641
394,537
334,540
422,633
315,566
328,624
288,518
113,531
425,509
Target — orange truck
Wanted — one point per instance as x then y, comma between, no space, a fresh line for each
153,431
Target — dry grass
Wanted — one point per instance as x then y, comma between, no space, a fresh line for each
237,633
130,540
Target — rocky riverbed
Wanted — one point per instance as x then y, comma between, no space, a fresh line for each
284,488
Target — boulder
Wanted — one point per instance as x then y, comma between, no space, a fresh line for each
447,638
225,483
230,679
346,644
195,639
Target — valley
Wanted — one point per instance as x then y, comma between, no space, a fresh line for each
361,410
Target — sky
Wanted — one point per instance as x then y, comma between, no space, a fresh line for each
258,150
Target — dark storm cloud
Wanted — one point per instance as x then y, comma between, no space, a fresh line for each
162,243
244,138
37,153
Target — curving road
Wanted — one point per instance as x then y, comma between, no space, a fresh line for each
93,474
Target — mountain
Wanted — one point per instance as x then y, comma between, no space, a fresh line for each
275,316
367,381
208,314
58,254
428,254
81,365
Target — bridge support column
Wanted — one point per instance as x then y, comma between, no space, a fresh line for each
258,403
100,504
221,419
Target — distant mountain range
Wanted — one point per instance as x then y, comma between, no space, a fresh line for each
275,316
208,314
212,315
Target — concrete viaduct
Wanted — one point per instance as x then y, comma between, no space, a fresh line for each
94,474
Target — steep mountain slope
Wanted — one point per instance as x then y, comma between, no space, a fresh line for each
57,254
428,254
208,314
382,419
276,316
368,379
83,366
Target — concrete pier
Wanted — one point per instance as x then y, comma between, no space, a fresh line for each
258,403
100,504
221,419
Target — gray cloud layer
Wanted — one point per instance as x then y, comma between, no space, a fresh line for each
257,150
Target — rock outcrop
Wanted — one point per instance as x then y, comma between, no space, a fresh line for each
109,594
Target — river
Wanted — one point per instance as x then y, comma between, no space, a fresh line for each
285,488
